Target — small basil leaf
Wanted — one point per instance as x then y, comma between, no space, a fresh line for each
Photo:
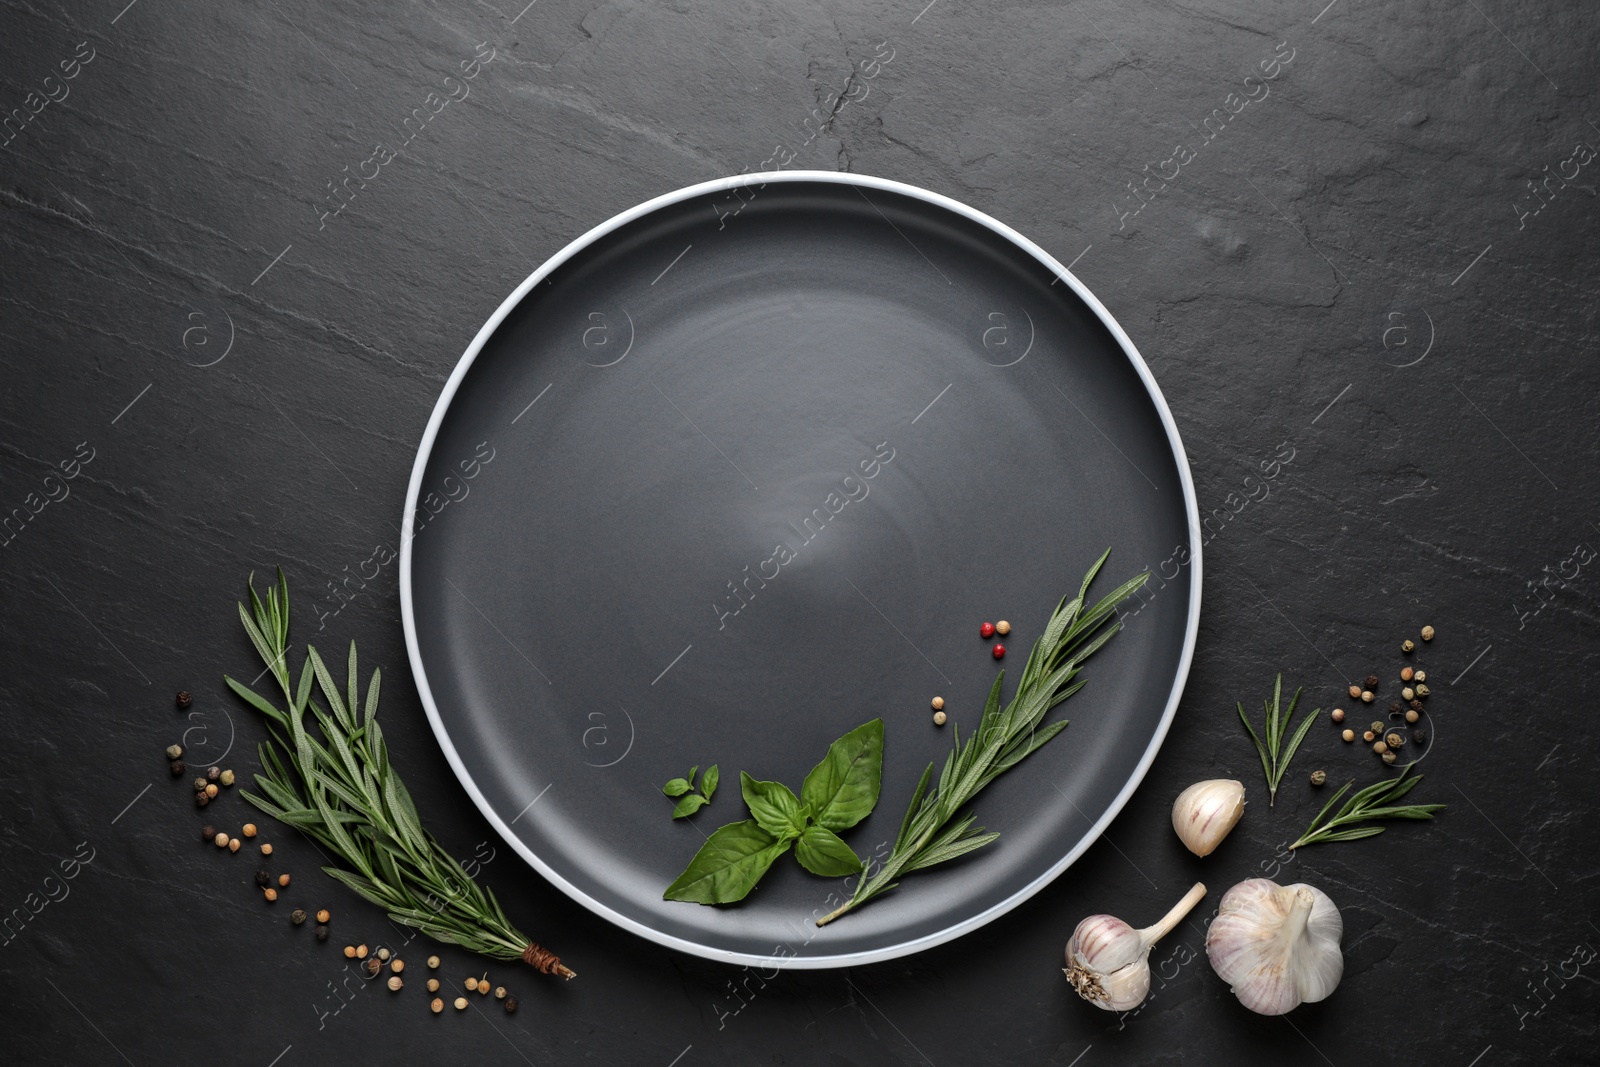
689,805
675,788
775,809
692,772
843,789
820,851
728,865
708,784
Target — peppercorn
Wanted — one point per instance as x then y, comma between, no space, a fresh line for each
383,954
201,800
437,1005
361,952
1405,674
1368,736
349,952
1422,676
1355,692
283,880
1002,627
1407,646
938,703
1409,693
220,840
213,773
938,718
226,777
174,751
1427,633
233,844
471,984
461,1003
1423,691
1412,716
1348,735
1371,681
207,832
1389,757
249,829
1419,736
999,651
500,992
199,785
184,699
263,879
433,963
372,967
1338,715
511,1005
211,790
1377,727
395,983
433,985
1416,705
266,848
323,915
1367,696
1318,777
297,916
270,893
178,768
1394,739
986,631
1379,747
1395,708
322,933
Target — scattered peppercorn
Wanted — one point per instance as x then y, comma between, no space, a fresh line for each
1408,646
986,631
1422,691
500,992
1412,716
213,773
220,839
1002,627
1367,696
1419,736
1389,757
174,751
1318,777
372,967
1368,736
201,800
1427,633
322,933
1371,681
270,893
349,952
211,790
1355,692
999,651
471,984
199,785
297,916
437,1005
263,879
226,777
1422,676
324,915
249,829
283,880
178,768
383,954
233,844
184,699
461,1003
511,1005
1394,739
207,832
395,983
1377,727
938,718
266,848
1395,708
1409,693
1405,674
1348,735
1379,747
1338,715
1416,705
433,985
433,963
938,703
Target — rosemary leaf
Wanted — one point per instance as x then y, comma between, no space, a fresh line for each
1274,757
1375,802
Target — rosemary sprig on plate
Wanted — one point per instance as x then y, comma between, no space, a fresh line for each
341,792
1274,760
1376,801
934,830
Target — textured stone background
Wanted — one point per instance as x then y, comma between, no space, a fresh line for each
251,383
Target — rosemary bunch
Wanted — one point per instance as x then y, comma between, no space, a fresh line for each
1376,801
934,830
1274,759
341,792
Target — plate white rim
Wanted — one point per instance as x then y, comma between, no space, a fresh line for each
850,959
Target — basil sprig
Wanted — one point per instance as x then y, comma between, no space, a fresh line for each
838,793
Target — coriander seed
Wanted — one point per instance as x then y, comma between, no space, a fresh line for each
395,983
938,718
383,954
1368,736
211,790
177,768
938,703
1405,674
1408,646
433,985
511,1005
1412,716
233,844
1427,633
184,699
437,1005
1422,676
1409,693
1002,627
1318,778
500,992
433,963
1367,696
1394,739
220,840
270,893
249,829
1338,715
323,915
1355,692
297,916
1348,735
361,952
174,751
1379,747
471,984
283,880
349,952
397,965
266,848
461,1004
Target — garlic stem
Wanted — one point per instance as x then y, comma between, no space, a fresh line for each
1151,934
1300,911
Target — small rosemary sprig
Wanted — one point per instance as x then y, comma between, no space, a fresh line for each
341,792
1274,760
1376,801
933,831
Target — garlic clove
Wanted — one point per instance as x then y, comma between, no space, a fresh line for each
1108,961
1277,946
1204,813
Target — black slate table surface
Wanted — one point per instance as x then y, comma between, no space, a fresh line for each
1355,242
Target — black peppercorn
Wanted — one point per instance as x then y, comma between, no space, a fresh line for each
1394,739
184,699
322,933
213,773
207,833
1416,705
1395,707
511,1005
178,768
1419,736
263,878
297,916
1371,681
201,800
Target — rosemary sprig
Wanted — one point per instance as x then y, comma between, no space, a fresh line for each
932,831
1376,801
1274,760
341,792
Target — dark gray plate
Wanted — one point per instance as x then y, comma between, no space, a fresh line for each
939,426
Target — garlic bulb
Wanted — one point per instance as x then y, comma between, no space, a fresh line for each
1276,945
1205,812
1108,961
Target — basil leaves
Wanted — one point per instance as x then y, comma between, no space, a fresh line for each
838,793
684,787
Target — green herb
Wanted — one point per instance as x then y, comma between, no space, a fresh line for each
340,791
933,831
1376,801
838,793
1277,719
691,802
